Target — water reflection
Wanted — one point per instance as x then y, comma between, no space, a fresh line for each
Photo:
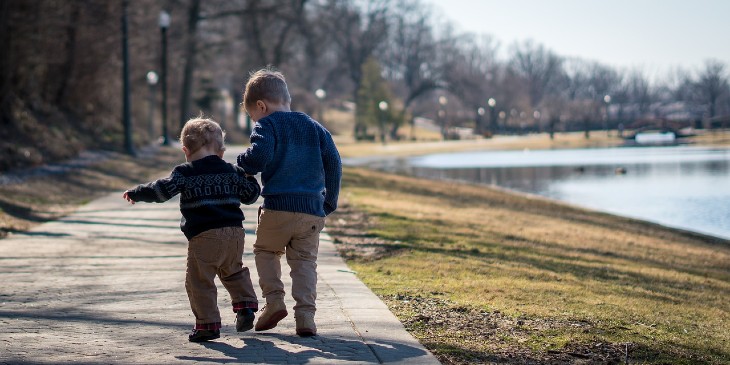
684,187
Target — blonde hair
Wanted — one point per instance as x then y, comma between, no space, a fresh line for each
199,132
266,84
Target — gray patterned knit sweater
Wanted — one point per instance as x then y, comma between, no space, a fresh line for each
211,192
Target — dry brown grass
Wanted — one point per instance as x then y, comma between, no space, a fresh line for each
43,198
567,279
531,141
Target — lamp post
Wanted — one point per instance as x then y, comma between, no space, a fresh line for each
607,100
152,79
442,114
126,113
492,115
480,115
164,22
502,115
226,104
320,94
383,106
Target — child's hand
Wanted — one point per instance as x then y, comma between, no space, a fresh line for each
127,198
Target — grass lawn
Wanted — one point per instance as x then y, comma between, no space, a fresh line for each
483,275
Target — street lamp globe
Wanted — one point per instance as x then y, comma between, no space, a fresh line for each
152,78
164,19
607,99
383,106
443,100
481,111
320,94
492,102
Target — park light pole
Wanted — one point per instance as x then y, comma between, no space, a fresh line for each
126,91
152,79
164,23
607,100
442,114
226,104
480,115
383,106
320,94
492,115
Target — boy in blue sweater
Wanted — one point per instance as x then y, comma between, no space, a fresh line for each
300,170
211,192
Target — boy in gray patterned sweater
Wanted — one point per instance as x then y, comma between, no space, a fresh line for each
211,191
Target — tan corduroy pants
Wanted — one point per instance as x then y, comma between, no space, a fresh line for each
216,252
297,236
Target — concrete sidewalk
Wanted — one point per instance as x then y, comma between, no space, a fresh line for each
106,285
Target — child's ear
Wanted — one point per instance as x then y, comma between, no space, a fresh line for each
261,105
185,151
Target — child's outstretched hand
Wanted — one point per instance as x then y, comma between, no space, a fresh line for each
127,198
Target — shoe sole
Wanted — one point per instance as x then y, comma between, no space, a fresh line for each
306,332
275,318
204,339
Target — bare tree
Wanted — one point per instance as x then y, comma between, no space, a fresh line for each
193,18
357,32
269,26
471,75
711,84
539,66
410,60
639,93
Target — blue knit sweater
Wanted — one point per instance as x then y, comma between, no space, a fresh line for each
299,163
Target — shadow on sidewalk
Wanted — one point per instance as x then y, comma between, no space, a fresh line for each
63,316
258,349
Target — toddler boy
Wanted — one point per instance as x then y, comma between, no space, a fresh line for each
300,173
211,191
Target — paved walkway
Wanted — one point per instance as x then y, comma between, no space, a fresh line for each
106,285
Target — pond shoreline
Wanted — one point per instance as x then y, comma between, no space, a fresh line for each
539,180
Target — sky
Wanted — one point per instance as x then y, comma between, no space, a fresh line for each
654,36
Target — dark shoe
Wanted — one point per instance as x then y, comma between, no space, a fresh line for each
244,319
271,315
204,335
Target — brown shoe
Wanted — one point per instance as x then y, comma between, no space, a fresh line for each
305,324
271,315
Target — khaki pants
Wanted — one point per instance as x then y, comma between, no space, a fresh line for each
216,252
297,236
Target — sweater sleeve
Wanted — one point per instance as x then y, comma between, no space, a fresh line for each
256,157
249,190
158,191
332,172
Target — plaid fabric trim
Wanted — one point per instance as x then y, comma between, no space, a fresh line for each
250,305
208,326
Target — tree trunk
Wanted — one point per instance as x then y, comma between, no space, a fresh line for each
190,53
68,65
5,59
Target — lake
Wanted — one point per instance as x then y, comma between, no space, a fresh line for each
685,187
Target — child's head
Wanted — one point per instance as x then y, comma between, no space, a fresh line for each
265,87
202,133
